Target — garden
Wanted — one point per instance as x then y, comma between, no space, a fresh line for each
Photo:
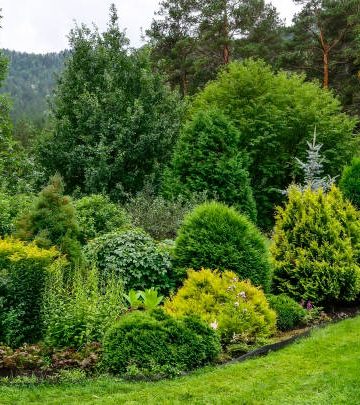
144,266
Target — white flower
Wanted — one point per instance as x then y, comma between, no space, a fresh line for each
214,324
236,304
242,294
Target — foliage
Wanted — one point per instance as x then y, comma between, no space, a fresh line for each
23,272
218,237
52,221
155,342
289,313
316,248
236,309
77,314
97,215
275,112
207,159
158,216
148,299
134,257
115,121
350,182
12,207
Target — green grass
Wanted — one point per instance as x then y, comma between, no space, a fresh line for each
322,369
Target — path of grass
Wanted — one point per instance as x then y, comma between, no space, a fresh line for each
322,369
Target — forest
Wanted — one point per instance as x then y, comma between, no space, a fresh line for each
184,203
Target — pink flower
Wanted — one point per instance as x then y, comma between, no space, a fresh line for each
214,324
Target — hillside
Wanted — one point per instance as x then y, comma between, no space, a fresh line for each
31,79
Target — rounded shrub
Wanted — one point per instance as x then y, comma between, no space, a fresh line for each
155,343
236,309
207,158
289,313
316,247
350,182
97,215
218,237
135,257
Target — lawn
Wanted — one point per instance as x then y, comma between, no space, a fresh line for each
322,369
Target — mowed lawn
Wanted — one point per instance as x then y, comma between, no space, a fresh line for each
322,369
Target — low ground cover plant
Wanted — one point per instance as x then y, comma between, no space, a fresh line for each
154,344
216,236
237,310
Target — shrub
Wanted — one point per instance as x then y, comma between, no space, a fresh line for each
23,272
207,158
238,310
350,182
11,208
275,113
134,257
158,216
289,313
52,221
78,314
218,237
316,248
97,215
157,343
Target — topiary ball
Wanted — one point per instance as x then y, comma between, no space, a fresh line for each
289,313
216,236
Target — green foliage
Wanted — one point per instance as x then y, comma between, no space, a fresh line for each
207,159
158,216
275,114
151,298
316,248
236,309
289,313
134,257
218,237
97,215
115,121
23,272
350,182
79,313
52,221
157,343
133,299
12,207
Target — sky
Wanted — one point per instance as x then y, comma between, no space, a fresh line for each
40,26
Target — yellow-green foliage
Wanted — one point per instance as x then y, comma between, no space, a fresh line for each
316,247
23,270
237,309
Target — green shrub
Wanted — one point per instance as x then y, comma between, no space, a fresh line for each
97,215
236,309
207,158
157,343
134,257
289,313
23,272
316,248
52,221
275,114
218,237
350,182
77,314
11,208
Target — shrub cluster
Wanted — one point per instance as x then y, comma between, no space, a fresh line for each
218,237
236,309
350,182
134,257
11,208
289,313
155,343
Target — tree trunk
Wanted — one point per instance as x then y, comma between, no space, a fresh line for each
226,48
326,69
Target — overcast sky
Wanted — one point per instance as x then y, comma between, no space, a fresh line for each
42,25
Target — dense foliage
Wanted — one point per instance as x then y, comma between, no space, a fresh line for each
207,159
134,257
12,207
115,121
218,237
23,272
289,313
350,182
276,115
157,344
97,215
316,248
236,309
52,221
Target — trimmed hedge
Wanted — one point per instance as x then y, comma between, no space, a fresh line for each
289,313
